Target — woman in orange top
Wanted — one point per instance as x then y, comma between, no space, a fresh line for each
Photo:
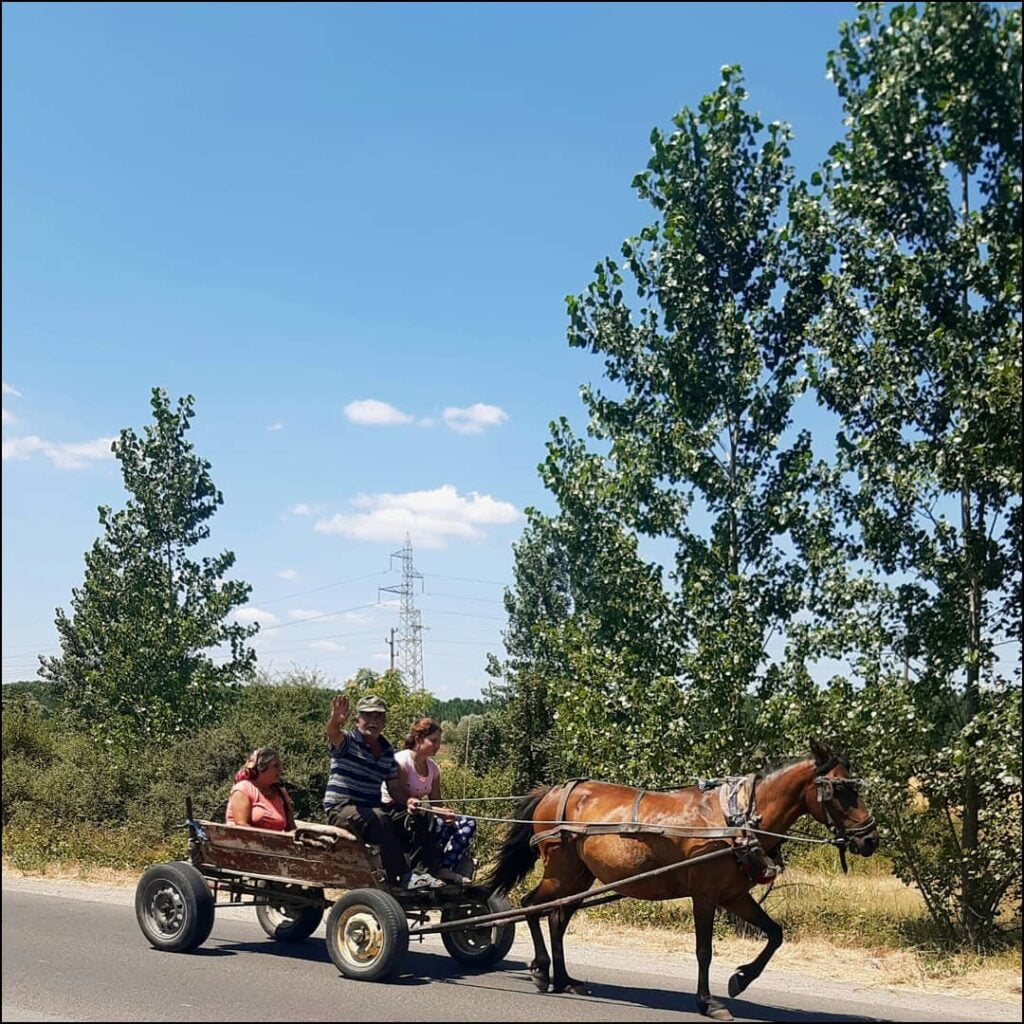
258,798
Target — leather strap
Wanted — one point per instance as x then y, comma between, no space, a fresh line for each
634,824
567,789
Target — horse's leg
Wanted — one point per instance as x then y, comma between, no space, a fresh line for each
558,922
704,924
565,874
541,962
747,908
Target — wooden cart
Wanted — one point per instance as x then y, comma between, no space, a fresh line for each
285,875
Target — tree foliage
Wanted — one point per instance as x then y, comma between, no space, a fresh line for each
137,659
918,353
695,523
691,451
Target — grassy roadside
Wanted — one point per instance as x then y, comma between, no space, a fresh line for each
867,929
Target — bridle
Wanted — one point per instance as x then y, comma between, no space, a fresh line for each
826,788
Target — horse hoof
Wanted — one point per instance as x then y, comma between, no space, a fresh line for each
715,1010
540,981
578,988
737,983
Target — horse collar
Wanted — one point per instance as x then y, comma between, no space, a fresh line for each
738,798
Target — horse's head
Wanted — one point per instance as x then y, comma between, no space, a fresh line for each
833,797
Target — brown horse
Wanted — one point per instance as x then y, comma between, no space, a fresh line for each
819,785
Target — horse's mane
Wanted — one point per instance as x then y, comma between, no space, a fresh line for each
769,773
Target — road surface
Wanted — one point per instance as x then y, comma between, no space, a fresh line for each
73,952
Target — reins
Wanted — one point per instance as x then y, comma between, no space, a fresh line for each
684,831
734,829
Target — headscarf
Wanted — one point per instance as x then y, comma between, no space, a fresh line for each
257,762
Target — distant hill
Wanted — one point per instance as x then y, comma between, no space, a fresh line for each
36,690
457,708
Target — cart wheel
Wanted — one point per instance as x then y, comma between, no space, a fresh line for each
174,907
286,922
481,946
367,934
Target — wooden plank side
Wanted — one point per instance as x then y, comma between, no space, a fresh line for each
345,864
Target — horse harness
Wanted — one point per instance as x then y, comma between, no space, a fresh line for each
734,793
826,789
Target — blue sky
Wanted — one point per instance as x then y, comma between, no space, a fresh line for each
317,219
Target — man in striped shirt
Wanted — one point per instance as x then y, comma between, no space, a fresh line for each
362,759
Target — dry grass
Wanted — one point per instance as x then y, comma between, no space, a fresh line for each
996,976
76,871
866,927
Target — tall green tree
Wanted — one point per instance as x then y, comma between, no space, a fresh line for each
525,682
137,651
692,456
920,357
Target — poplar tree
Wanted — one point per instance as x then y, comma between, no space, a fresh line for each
150,618
919,355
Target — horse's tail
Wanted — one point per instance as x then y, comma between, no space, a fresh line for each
517,856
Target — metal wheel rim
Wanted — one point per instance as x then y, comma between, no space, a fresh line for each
475,940
164,908
279,915
360,935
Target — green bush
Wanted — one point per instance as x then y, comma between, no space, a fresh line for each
66,794
35,845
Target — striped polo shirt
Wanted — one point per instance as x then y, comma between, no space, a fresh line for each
356,775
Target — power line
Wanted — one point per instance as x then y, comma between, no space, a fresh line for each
465,579
459,597
324,615
30,649
28,653
468,615
326,586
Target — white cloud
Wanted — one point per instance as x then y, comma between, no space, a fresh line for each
426,421
288,574
431,518
327,645
370,412
307,613
8,390
9,416
474,419
305,508
249,615
276,426
63,454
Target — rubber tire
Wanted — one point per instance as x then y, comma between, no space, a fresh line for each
290,924
181,882
502,937
389,917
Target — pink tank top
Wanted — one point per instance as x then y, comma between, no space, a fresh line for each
267,811
419,785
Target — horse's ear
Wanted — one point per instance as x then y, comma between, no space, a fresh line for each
821,751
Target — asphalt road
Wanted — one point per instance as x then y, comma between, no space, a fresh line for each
74,953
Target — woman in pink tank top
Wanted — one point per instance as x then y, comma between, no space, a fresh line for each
439,842
258,799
